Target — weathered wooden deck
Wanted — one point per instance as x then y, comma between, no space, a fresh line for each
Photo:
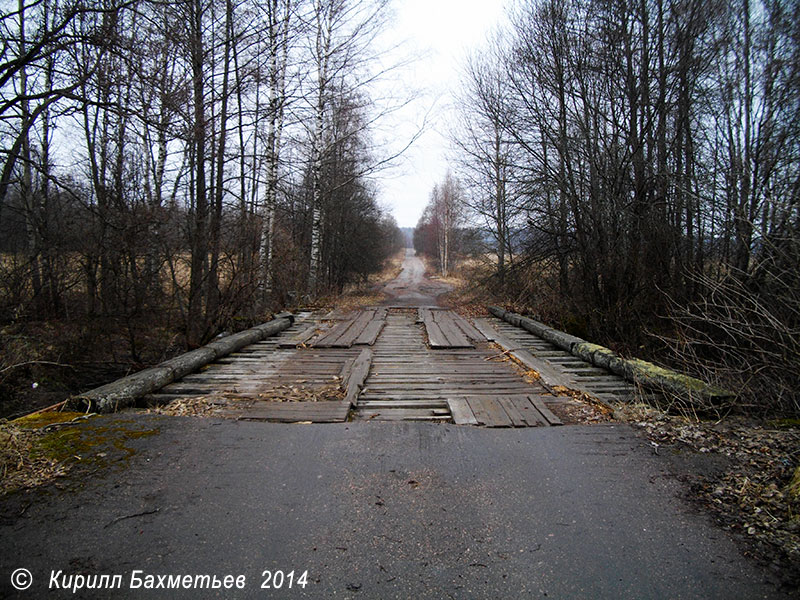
556,367
395,364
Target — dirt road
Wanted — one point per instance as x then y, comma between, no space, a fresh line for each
412,288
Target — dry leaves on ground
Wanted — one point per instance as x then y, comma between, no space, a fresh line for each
580,408
224,403
198,406
750,495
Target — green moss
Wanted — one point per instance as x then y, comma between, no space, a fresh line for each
785,423
98,442
648,373
692,384
43,419
793,489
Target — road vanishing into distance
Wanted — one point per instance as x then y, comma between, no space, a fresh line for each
370,510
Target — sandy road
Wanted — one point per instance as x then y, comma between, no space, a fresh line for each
412,288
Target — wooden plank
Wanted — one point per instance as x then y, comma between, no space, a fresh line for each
475,404
306,407
316,412
358,376
487,412
528,411
344,374
436,337
333,334
549,375
409,386
400,415
454,335
370,333
297,340
546,413
470,331
359,323
485,329
462,413
516,418
497,416
389,403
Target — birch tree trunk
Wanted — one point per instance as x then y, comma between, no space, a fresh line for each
279,48
323,16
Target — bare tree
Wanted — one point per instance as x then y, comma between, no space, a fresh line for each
342,33
485,150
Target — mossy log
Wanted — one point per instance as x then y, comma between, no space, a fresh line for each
124,392
634,370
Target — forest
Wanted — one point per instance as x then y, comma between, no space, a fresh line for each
633,168
173,170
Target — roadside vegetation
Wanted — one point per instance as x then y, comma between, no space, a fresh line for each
627,172
630,169
173,171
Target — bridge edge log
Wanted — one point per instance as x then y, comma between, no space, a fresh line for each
124,392
636,371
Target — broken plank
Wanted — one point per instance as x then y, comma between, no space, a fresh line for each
390,403
546,413
354,331
454,335
400,415
344,374
486,330
462,413
298,340
549,375
498,416
476,406
306,408
469,330
528,411
358,375
436,338
511,410
333,334
488,412
370,333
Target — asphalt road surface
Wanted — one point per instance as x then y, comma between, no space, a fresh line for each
377,510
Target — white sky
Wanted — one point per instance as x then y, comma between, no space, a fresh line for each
442,32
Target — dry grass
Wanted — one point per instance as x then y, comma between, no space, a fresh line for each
224,405
31,452
469,295
20,467
391,268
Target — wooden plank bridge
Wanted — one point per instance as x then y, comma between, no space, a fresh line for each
396,364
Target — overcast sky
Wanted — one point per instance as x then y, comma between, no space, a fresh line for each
440,33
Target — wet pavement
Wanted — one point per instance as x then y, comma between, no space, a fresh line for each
379,510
